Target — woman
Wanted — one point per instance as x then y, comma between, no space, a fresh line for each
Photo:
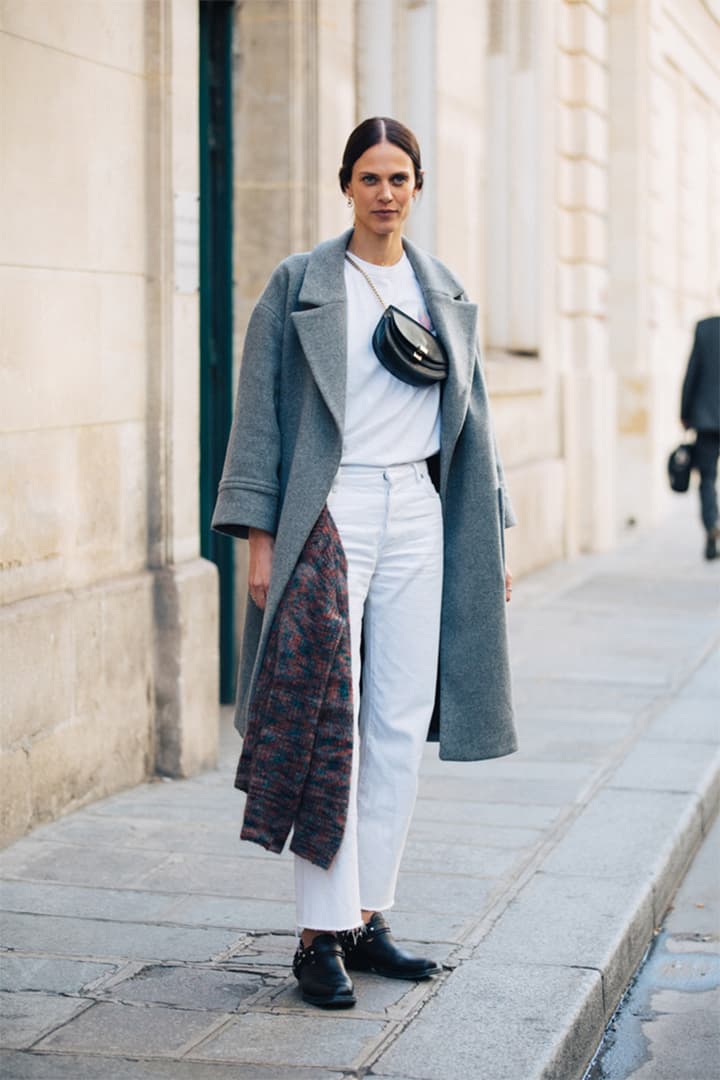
321,424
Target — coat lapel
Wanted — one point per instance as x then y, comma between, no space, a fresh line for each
455,322
321,323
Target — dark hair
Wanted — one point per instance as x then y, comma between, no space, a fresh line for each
375,130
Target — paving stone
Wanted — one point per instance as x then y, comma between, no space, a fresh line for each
93,938
194,988
40,1066
705,682
430,927
506,837
49,973
501,1021
632,836
121,905
440,895
76,864
593,694
615,591
500,815
223,876
335,1040
548,792
672,766
266,950
443,858
240,912
688,720
108,1028
577,922
26,1017
155,835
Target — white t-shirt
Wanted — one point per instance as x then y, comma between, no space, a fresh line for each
387,422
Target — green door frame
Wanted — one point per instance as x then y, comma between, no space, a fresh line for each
216,299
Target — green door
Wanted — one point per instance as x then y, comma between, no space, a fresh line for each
216,328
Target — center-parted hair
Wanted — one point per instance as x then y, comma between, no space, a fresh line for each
375,130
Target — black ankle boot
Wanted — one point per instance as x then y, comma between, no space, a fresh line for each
320,970
373,948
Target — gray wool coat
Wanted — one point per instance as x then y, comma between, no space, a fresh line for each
285,448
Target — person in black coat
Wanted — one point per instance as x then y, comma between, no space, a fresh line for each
700,410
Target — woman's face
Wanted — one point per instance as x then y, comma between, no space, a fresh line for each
382,188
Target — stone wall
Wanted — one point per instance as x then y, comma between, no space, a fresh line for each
107,625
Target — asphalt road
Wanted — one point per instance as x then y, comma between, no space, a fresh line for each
668,1026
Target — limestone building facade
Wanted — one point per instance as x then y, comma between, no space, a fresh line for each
160,157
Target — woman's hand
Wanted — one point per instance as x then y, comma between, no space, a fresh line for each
508,585
262,547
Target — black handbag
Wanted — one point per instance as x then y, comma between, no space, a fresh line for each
403,346
680,465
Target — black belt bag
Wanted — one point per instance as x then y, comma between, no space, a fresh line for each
403,346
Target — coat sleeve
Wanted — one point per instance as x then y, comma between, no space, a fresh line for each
688,388
249,491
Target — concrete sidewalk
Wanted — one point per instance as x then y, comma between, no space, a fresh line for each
139,929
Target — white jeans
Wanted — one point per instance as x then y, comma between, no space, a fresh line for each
390,524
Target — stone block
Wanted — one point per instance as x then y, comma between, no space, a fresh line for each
186,668
582,133
583,81
68,106
506,838
705,683
114,941
538,492
16,813
36,533
48,973
38,896
582,185
337,1041
114,36
431,927
39,860
243,913
503,1021
480,814
577,923
632,836
433,894
581,28
583,289
122,1029
38,662
551,791
582,236
83,361
687,720
222,876
26,1017
62,1066
194,988
672,766
75,763
110,535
